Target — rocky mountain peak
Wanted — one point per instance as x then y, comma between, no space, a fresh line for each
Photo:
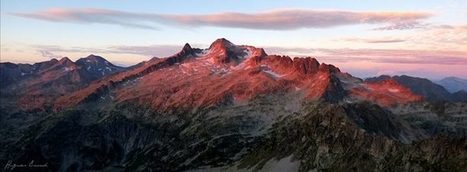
186,51
221,43
221,50
65,61
51,61
187,47
92,56
93,59
64,64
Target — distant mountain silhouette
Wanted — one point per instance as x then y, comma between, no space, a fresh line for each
38,85
453,84
421,86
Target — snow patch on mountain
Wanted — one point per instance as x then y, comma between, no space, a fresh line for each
67,69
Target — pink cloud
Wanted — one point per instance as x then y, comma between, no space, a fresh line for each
431,37
282,19
373,40
88,15
148,50
402,26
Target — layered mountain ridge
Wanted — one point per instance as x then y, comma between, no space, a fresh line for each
36,86
225,73
453,84
225,108
429,90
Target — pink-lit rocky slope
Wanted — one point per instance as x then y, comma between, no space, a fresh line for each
229,73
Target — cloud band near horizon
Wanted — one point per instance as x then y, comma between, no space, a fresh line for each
280,19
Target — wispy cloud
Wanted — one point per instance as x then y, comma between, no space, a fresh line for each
329,55
48,54
431,37
373,40
281,19
405,25
394,56
151,50
438,36
50,51
90,15
385,41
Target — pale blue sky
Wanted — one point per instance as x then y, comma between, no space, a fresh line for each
25,39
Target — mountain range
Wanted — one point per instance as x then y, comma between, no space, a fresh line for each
453,84
429,90
227,108
35,86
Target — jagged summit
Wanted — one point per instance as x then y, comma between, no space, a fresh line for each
187,49
52,61
65,61
64,64
222,51
94,61
185,52
221,43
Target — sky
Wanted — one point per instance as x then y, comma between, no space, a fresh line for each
425,38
